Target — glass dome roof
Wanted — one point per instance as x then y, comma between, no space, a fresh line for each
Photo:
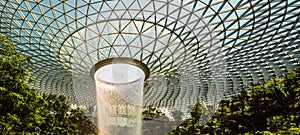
195,50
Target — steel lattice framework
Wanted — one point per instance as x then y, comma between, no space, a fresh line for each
201,49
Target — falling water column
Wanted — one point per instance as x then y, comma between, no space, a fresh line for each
119,98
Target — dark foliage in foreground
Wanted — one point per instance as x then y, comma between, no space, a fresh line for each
23,110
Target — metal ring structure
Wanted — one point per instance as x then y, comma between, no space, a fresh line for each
121,60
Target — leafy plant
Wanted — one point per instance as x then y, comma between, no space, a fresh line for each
24,110
270,108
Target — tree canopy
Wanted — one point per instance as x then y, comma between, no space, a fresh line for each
24,110
270,108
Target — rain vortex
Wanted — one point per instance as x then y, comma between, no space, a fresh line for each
119,99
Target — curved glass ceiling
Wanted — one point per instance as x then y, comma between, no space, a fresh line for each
195,50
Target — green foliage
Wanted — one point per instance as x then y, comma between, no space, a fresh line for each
290,131
65,120
271,108
190,126
23,110
151,113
